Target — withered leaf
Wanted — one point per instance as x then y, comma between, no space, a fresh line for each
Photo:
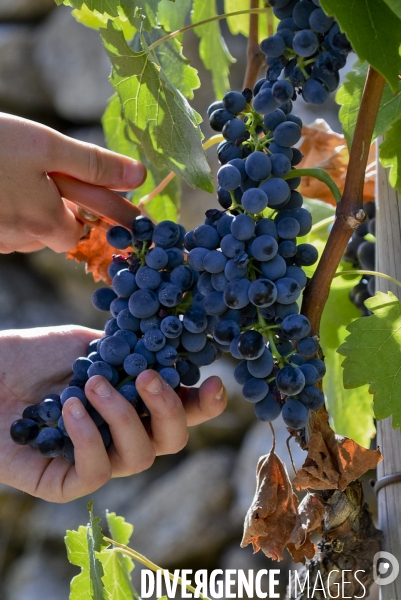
333,461
96,252
272,515
309,518
328,150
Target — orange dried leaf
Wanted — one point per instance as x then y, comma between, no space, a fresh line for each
96,252
309,517
328,150
333,461
272,515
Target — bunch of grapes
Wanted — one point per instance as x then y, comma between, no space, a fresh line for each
153,325
309,47
361,252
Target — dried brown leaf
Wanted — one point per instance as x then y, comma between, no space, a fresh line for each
96,252
333,461
328,150
309,518
272,515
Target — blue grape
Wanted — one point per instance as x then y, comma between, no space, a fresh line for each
241,373
230,245
228,177
124,283
277,191
119,237
234,102
262,292
147,278
193,342
196,257
130,393
167,356
219,281
175,257
258,166
306,255
315,92
206,236
218,118
118,305
283,90
305,43
50,442
195,320
49,410
191,375
170,295
262,366
234,129
319,366
267,409
251,344
128,336
236,269
254,200
166,234
204,284
281,165
287,134
170,376
255,390
264,248
80,367
273,46
225,331
99,368
288,290
227,151
274,269
236,293
311,397
266,227
182,276
102,298
301,14
264,101
111,327
319,21
214,261
310,373
298,274
295,414
290,380
288,228
214,106
284,310
242,227
126,320
24,431
214,303
142,229
144,303
287,249
171,327
149,356
134,364
76,392
154,340
307,347
156,258
150,323
296,326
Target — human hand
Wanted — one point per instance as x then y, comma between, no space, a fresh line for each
36,362
34,212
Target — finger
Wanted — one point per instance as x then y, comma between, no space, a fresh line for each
92,464
30,247
132,451
97,200
95,165
168,421
205,403
65,234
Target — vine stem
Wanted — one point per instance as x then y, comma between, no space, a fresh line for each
254,55
173,34
349,212
123,549
363,272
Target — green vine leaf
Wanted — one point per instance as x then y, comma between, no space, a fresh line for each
395,6
390,154
351,410
166,204
172,16
118,567
373,355
82,548
240,23
374,32
159,118
349,96
212,48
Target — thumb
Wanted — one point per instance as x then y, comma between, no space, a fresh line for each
95,165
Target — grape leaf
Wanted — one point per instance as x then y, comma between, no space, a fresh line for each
172,16
351,411
212,47
159,118
374,32
373,355
166,204
240,23
349,97
390,154
175,66
82,548
112,8
395,6
96,20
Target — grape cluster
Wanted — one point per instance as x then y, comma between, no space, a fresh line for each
153,325
361,252
309,47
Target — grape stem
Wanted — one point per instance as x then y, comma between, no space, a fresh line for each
349,213
123,549
319,174
254,56
174,34
363,272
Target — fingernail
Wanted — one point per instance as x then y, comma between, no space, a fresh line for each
102,388
155,386
221,393
77,409
134,173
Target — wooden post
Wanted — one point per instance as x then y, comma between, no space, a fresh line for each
388,260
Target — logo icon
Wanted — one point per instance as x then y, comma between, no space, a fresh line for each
385,568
